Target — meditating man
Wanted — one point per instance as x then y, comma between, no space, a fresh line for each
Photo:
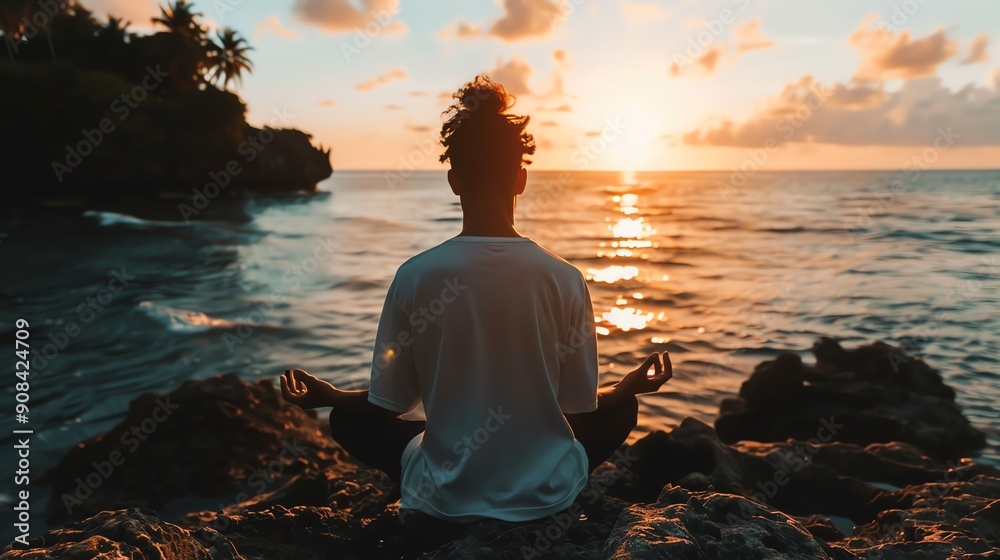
495,336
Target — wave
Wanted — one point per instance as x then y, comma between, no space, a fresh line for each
115,219
182,320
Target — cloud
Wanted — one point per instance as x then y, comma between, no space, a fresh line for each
548,123
864,116
749,37
393,107
977,48
705,64
460,29
418,128
417,93
514,75
327,103
337,16
521,20
637,12
273,26
554,90
373,83
562,58
887,55
592,133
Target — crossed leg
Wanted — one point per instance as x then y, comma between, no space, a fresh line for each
377,437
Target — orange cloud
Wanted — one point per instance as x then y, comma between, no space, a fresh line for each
373,83
273,26
705,62
521,20
977,48
337,16
749,37
460,29
863,116
886,55
514,75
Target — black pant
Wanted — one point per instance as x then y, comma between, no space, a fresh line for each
377,437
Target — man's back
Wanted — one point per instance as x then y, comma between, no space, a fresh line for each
495,336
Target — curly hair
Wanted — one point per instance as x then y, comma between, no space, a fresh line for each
479,136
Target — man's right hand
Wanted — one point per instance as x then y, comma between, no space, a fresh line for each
641,380
305,390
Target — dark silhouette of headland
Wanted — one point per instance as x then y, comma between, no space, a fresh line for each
94,111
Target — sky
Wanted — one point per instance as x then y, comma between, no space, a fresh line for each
630,84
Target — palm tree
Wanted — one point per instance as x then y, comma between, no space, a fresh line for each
184,46
115,32
180,18
229,59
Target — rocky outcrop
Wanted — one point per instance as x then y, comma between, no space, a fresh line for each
872,394
219,438
705,525
74,139
682,494
128,534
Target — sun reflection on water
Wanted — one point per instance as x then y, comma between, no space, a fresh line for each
630,236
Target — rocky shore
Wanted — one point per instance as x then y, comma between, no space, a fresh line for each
858,456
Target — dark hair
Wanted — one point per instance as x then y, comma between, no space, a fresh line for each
480,137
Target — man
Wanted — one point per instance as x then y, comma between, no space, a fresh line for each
495,336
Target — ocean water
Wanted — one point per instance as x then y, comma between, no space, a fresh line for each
722,271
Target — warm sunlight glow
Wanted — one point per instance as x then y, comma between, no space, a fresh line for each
630,149
631,227
628,318
612,274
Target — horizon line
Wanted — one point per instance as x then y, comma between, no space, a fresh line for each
752,172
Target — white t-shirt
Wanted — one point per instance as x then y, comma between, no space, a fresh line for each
495,336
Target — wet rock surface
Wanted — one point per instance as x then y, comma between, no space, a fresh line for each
216,480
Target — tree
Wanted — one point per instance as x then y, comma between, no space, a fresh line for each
229,58
180,18
184,47
115,32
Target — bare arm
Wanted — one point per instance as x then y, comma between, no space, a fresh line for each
636,382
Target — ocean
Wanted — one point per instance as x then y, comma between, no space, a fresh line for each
722,270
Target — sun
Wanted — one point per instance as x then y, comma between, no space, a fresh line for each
632,148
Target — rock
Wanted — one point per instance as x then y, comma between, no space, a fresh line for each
948,518
786,478
708,525
578,532
129,534
872,394
218,437
821,527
